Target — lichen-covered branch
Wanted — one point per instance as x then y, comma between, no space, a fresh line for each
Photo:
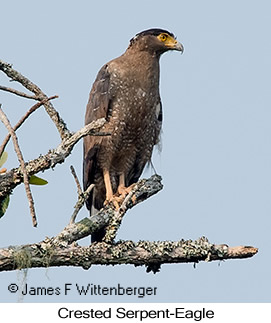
143,253
140,191
76,231
14,177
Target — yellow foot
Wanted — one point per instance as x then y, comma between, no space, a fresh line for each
118,198
113,200
123,191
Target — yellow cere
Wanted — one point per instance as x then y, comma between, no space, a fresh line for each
168,40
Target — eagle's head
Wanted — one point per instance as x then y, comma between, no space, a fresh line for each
156,40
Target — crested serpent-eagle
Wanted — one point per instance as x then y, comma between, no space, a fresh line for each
126,94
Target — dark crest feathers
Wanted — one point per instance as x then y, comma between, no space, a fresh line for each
153,31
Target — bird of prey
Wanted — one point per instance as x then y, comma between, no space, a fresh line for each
126,94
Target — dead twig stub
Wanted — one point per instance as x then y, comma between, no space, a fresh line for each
79,189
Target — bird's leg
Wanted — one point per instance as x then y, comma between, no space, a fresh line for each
108,189
122,189
108,186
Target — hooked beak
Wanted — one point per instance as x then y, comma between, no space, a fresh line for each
173,44
178,46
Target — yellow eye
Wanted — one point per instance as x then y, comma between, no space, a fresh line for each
163,37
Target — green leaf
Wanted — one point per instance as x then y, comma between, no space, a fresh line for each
3,158
3,205
35,180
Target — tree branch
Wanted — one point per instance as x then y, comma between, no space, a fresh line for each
80,202
76,231
16,92
149,187
17,149
22,120
79,189
39,95
63,249
144,253
14,177
82,196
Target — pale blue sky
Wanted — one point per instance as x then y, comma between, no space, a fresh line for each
216,156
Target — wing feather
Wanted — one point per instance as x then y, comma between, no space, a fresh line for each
98,107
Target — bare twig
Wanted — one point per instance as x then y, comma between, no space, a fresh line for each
21,121
19,93
81,201
17,149
82,196
79,189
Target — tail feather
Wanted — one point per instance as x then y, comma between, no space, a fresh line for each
98,235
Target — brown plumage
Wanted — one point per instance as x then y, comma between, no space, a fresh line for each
126,93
